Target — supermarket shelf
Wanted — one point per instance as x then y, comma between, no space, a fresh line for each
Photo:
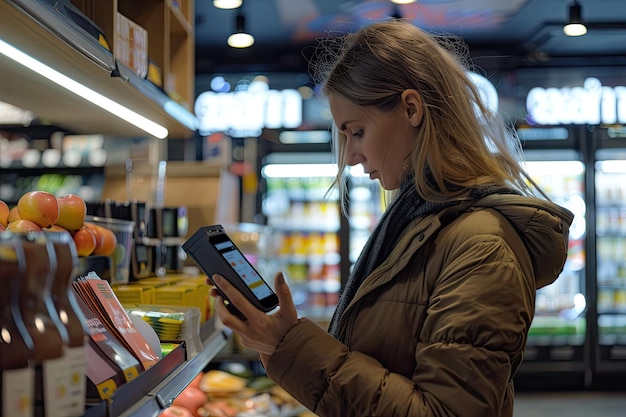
34,29
156,388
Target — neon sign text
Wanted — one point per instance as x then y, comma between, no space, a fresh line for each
592,103
247,112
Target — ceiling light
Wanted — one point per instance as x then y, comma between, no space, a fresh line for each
227,4
575,26
240,39
403,1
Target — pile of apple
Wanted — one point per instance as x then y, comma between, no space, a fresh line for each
43,211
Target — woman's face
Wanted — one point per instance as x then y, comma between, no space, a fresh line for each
380,141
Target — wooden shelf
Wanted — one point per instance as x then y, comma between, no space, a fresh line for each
31,27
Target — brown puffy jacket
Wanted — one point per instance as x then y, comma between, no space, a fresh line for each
440,327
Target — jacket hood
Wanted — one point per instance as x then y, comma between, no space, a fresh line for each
542,225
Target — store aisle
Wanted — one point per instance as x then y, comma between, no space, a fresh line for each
570,404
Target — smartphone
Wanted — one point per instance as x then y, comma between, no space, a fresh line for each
215,253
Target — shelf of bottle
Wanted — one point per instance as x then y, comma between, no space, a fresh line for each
84,168
330,258
615,337
556,340
612,311
311,227
557,351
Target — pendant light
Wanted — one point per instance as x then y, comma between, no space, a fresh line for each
240,38
575,26
227,4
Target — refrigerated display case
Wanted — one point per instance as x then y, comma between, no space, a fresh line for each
306,224
610,232
557,346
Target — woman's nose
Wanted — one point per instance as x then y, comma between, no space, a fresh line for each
353,157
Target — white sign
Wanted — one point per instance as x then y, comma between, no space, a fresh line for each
592,103
245,113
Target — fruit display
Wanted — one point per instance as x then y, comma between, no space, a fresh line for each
4,215
39,211
221,393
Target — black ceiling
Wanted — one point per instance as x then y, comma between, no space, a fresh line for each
500,33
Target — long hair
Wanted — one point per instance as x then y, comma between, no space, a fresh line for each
460,144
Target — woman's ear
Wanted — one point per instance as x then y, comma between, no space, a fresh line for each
413,106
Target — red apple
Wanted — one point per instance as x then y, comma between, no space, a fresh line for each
40,207
4,213
13,214
195,383
105,239
72,210
85,241
55,229
191,398
23,226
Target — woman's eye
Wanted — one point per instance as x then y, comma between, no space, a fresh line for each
358,133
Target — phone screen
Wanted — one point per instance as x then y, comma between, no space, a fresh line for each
242,267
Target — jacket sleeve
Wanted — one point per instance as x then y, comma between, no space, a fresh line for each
476,321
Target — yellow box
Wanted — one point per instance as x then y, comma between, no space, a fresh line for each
199,295
160,281
175,296
134,294
148,291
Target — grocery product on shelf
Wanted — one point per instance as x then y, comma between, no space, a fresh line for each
101,299
67,308
42,321
17,370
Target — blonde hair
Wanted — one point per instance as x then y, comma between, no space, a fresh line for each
461,142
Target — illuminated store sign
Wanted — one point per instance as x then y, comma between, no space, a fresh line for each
246,112
592,103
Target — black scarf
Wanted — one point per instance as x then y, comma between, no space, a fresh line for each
406,207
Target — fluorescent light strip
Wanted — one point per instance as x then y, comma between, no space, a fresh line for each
299,170
611,167
555,168
88,94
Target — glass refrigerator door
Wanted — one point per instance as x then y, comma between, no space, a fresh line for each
610,182
559,327
305,221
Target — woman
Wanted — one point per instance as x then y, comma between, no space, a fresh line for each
434,318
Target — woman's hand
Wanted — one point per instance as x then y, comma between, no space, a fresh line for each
261,332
